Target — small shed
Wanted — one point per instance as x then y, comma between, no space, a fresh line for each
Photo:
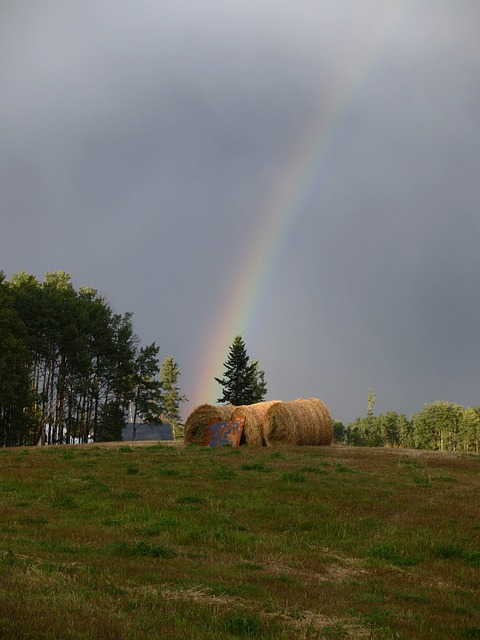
145,432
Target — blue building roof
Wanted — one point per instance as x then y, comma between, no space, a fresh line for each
148,432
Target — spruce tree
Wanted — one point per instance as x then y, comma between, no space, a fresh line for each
243,382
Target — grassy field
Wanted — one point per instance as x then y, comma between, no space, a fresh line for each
198,543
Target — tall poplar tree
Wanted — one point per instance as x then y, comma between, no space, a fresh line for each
171,396
437,426
243,382
470,430
371,401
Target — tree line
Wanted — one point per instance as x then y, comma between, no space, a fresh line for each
440,425
72,369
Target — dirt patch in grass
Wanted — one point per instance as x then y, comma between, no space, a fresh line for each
304,622
328,573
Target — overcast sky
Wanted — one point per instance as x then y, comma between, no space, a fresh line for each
140,142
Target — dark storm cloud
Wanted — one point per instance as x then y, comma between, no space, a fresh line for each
140,142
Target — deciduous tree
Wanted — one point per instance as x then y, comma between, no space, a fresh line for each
437,426
171,395
371,401
69,365
470,430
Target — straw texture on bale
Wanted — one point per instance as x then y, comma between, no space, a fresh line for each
254,414
199,420
299,422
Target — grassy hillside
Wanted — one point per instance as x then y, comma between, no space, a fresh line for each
192,543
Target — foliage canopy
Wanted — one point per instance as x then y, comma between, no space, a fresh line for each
69,365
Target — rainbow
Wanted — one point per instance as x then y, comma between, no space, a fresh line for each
281,209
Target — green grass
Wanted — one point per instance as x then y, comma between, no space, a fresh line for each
294,476
141,542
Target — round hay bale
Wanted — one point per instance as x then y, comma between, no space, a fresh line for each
299,422
199,420
254,414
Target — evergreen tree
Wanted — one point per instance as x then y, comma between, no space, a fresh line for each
243,382
354,435
370,431
339,431
171,396
389,428
111,423
16,418
147,398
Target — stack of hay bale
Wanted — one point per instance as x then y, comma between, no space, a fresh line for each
299,422
199,420
255,415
